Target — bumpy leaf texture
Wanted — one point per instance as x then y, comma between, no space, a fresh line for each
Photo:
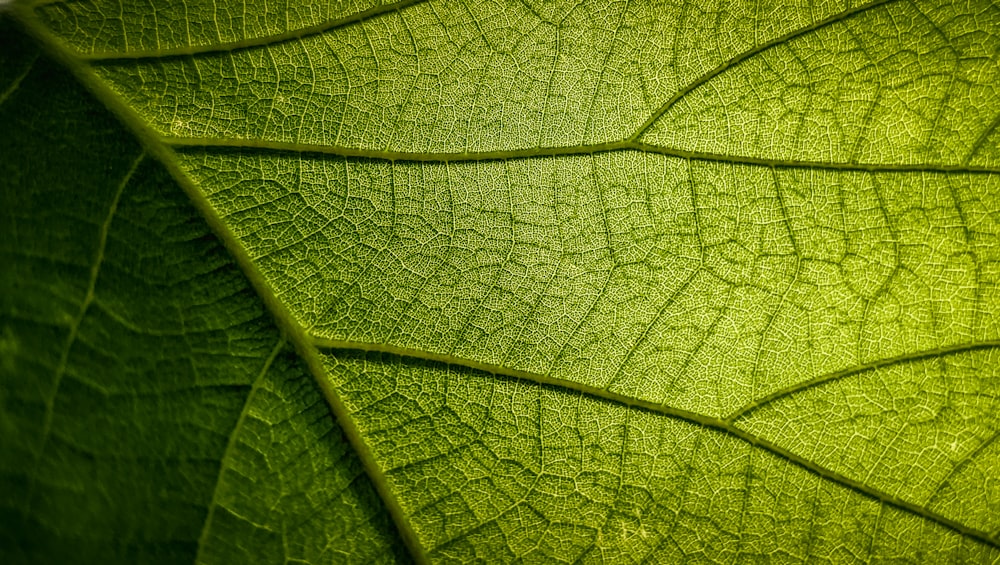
447,281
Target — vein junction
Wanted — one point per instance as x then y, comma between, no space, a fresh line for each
726,425
624,145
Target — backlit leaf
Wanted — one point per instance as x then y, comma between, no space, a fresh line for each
457,281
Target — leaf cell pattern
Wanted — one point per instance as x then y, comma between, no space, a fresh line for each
582,281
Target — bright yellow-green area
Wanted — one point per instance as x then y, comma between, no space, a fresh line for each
699,285
914,83
600,282
457,76
606,484
924,430
102,27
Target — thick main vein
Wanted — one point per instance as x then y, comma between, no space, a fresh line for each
160,147
623,145
717,424
292,330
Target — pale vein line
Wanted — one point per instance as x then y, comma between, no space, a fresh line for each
231,445
494,369
969,458
446,157
17,81
981,140
95,270
119,319
249,43
861,368
81,313
841,16
709,422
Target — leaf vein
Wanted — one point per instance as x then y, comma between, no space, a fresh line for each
207,143
227,453
725,426
738,59
968,458
860,368
17,81
250,43
88,298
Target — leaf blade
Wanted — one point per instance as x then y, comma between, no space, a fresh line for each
130,342
692,281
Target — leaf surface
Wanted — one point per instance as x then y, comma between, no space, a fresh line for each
151,410
580,281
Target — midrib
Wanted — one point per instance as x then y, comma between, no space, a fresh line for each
162,148
290,328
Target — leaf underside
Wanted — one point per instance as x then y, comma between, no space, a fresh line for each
446,282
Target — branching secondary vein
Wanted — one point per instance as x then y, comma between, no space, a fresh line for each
625,145
155,147
88,299
247,43
725,426
747,55
861,368
227,454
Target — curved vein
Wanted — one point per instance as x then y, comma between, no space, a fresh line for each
231,443
16,83
160,147
494,369
294,333
968,458
981,140
624,145
88,299
249,43
860,368
838,17
717,424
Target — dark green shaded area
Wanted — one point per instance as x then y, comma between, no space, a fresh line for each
134,358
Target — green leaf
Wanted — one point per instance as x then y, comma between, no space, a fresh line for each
517,281
151,410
